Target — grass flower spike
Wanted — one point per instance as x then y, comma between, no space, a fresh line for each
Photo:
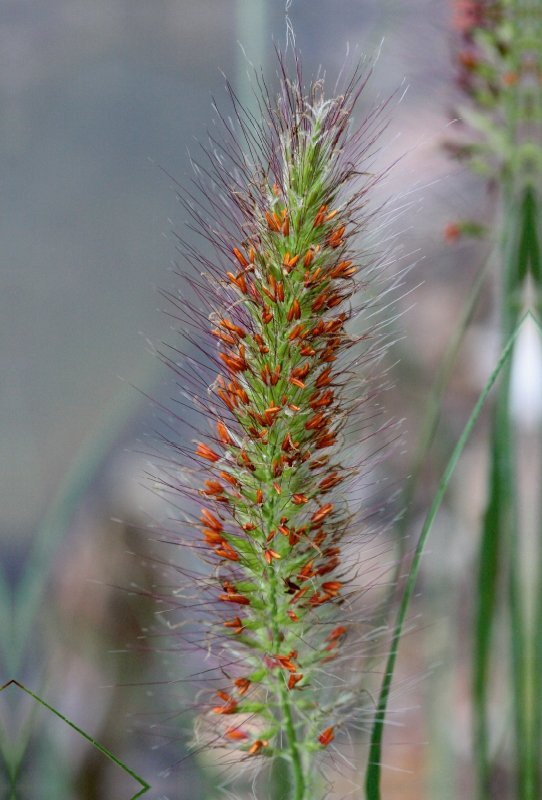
286,318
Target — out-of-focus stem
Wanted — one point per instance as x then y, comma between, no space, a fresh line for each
498,532
251,48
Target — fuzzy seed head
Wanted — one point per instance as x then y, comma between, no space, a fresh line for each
288,391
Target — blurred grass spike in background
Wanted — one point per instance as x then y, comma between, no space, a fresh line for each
500,68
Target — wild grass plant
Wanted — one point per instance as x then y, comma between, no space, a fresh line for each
275,526
287,567
291,317
499,52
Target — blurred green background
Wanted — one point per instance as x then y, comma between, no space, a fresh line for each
99,100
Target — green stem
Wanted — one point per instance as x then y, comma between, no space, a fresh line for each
300,786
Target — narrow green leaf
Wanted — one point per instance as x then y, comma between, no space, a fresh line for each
536,695
145,786
537,674
526,757
529,250
372,781
497,527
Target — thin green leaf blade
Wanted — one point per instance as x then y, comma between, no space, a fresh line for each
145,786
372,780
496,528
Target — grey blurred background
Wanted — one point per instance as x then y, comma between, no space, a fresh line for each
99,99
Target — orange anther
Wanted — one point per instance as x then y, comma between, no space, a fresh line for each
213,537
332,588
322,512
331,480
326,736
229,708
323,379
209,519
273,224
236,734
293,680
235,598
240,257
223,433
298,595
227,551
314,422
242,685
205,452
226,323
229,478
234,623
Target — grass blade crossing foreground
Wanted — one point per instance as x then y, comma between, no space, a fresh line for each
372,781
145,786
